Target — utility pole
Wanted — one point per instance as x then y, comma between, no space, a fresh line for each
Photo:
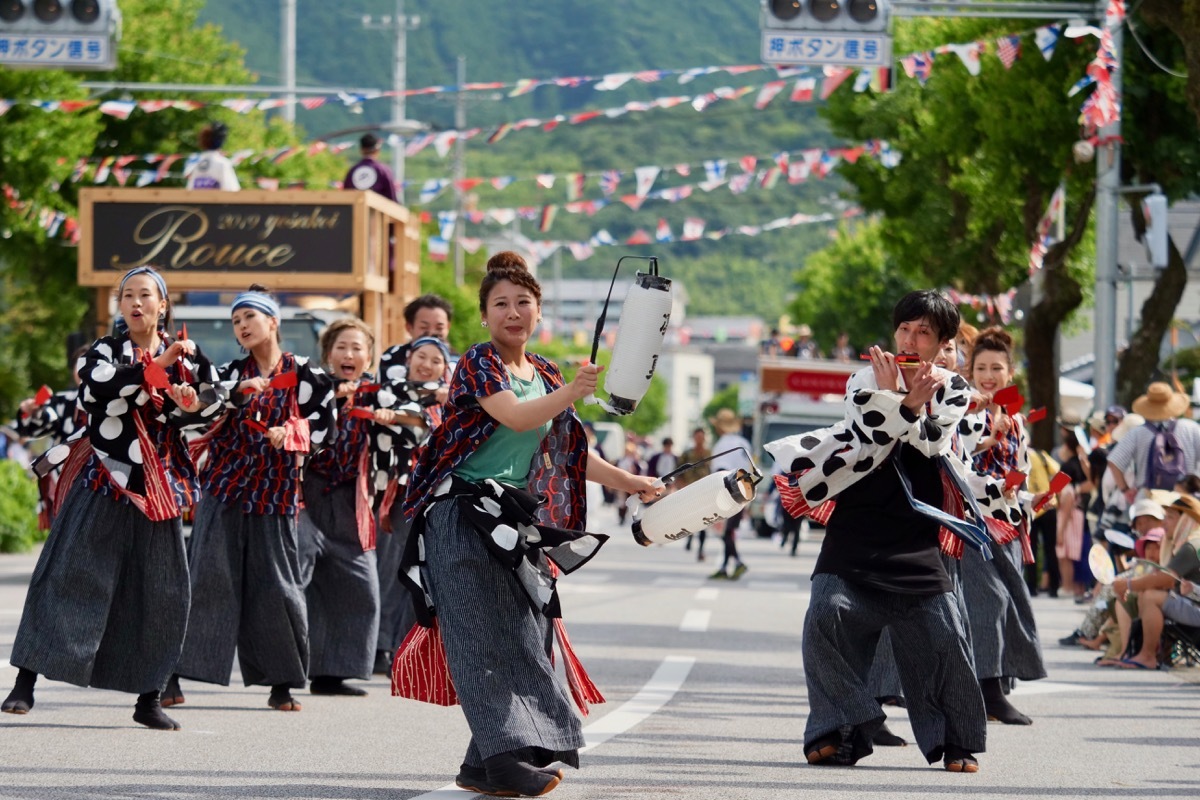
399,85
1108,188
460,172
289,59
399,24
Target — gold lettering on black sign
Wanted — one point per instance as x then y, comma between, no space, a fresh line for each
175,236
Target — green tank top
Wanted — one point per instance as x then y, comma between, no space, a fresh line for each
507,454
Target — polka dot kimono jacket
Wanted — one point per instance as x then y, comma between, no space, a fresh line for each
819,465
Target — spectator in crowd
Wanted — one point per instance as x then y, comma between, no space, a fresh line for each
842,351
804,346
771,346
664,461
632,463
1072,523
1131,463
697,452
1043,528
1100,623
1161,594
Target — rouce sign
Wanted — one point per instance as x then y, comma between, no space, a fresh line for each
228,238
293,239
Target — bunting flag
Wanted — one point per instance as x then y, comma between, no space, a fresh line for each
1000,305
663,232
439,249
548,215
446,222
693,229
715,170
575,185
834,77
802,92
1047,39
1008,48
609,181
969,54
545,181
645,177
768,93
639,237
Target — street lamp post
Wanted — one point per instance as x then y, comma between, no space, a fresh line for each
400,24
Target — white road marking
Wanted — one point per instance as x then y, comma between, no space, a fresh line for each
6,665
662,686
670,582
1048,687
707,594
695,620
774,586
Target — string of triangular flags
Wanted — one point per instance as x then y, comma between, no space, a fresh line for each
55,223
1044,238
996,305
796,166
1103,106
694,229
919,65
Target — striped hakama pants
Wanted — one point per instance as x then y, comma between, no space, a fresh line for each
340,583
1004,635
497,648
108,601
396,614
841,636
246,596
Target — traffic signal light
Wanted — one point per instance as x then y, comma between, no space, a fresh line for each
845,32
1154,209
59,34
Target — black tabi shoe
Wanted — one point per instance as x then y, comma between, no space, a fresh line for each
508,777
1072,639
20,699
281,698
335,686
148,711
885,738
383,663
173,694
997,706
957,759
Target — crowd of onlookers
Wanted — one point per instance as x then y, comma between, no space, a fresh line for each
1135,492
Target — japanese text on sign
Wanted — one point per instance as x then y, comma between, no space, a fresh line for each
56,50
847,49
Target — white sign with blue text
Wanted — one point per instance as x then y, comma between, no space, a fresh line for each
61,50
842,48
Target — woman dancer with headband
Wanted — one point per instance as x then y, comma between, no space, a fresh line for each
244,550
1003,631
108,602
482,546
419,380
337,524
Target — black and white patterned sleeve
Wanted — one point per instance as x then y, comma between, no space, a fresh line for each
314,397
102,378
827,461
198,372
933,431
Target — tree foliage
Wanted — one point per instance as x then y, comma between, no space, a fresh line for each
851,286
40,303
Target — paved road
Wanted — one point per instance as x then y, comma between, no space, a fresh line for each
706,700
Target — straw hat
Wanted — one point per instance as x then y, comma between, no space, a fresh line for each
1188,505
725,422
803,330
1161,402
1127,423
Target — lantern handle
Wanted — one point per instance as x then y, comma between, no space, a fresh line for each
591,400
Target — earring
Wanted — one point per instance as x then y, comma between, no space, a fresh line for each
483,323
